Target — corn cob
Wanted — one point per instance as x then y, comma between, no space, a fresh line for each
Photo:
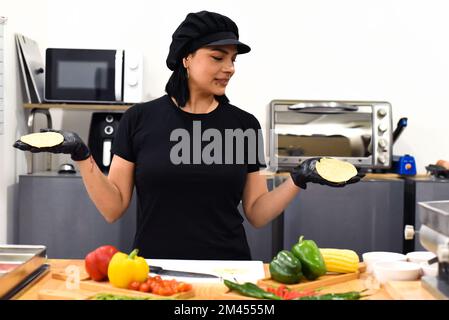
340,260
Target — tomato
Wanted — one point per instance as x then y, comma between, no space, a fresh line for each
155,287
159,290
144,287
162,287
166,291
134,285
172,284
183,287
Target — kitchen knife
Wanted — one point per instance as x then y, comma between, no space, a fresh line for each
176,273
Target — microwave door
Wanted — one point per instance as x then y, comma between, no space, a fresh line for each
80,75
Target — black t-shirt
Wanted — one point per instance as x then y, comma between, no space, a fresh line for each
187,210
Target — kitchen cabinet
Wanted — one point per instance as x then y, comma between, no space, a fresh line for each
419,189
366,216
55,210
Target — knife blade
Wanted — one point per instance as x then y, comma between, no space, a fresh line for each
175,273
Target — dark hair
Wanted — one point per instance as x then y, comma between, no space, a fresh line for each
178,87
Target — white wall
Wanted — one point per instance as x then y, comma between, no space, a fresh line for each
393,50
323,49
25,17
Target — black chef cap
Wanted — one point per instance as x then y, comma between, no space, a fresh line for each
200,29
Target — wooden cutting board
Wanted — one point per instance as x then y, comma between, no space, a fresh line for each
58,294
319,283
323,281
55,294
88,288
94,286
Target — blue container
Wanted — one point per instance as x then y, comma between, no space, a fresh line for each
405,166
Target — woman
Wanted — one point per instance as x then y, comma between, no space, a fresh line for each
175,151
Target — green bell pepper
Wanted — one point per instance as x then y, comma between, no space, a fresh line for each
285,268
312,261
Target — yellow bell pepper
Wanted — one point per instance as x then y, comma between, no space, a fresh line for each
124,269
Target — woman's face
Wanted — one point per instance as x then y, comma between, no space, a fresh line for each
210,68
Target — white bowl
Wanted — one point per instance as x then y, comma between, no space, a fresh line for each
375,256
385,271
420,256
431,270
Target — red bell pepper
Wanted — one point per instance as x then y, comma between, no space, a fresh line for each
97,262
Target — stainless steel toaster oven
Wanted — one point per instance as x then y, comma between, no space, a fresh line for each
359,132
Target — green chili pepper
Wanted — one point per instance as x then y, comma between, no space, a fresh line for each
251,290
351,295
312,261
265,294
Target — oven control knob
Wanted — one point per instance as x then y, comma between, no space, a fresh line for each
382,127
381,113
108,130
382,159
382,144
109,118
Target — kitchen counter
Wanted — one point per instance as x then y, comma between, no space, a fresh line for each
396,290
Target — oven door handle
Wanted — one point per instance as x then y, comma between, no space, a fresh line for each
119,61
322,107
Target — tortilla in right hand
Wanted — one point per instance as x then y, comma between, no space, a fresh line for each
334,170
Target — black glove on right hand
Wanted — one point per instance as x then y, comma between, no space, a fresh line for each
306,172
72,145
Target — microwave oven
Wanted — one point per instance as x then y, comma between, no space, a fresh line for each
359,132
93,76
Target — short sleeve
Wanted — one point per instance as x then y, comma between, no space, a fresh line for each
256,161
123,145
